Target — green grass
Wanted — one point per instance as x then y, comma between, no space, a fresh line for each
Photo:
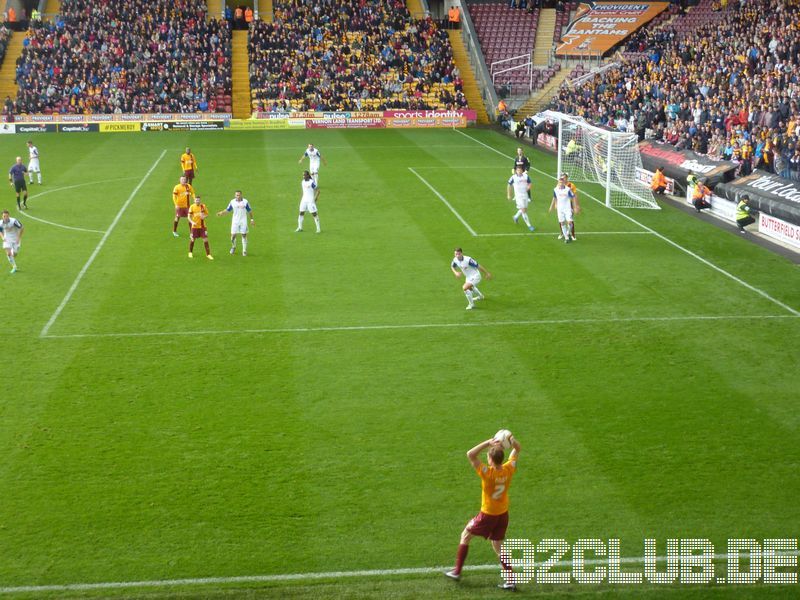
307,408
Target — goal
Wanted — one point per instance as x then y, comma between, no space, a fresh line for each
596,155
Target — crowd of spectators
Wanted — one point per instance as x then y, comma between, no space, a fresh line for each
138,56
727,89
351,55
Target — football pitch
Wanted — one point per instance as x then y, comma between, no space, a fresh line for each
294,423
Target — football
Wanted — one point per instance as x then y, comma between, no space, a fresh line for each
504,437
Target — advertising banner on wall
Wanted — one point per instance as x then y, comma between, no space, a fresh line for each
769,194
599,26
119,127
678,163
78,127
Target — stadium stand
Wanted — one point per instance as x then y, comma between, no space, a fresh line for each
351,55
140,56
719,81
508,34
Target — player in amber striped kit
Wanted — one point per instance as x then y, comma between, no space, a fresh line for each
182,197
198,213
188,164
492,520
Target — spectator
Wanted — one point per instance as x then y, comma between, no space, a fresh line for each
701,196
248,17
351,55
454,17
659,183
743,214
722,88
141,56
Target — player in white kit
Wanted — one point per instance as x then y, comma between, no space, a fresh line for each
11,231
314,158
519,184
309,201
33,163
564,202
469,267
242,214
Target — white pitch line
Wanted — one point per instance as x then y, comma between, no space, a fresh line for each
446,203
30,216
61,189
553,234
97,249
416,326
664,238
280,577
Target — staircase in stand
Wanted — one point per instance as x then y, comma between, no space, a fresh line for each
240,76
52,8
539,101
8,70
471,90
544,37
214,9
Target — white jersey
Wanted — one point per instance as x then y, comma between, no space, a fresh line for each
563,196
313,159
10,231
520,184
33,154
468,266
240,209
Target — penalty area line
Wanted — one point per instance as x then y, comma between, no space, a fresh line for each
444,200
99,247
389,327
553,233
367,573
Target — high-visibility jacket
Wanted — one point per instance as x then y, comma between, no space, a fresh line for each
700,191
658,180
742,210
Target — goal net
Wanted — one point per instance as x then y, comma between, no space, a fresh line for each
596,155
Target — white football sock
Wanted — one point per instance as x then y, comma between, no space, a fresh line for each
516,216
316,220
244,244
468,294
526,219
300,222
477,292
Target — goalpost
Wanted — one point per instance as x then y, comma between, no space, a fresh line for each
596,155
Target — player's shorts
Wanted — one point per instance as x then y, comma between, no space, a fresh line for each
189,174
308,206
198,233
474,279
523,203
564,213
239,227
181,212
491,527
34,165
19,186
13,246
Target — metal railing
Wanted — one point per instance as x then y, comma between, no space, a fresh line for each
590,75
526,65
